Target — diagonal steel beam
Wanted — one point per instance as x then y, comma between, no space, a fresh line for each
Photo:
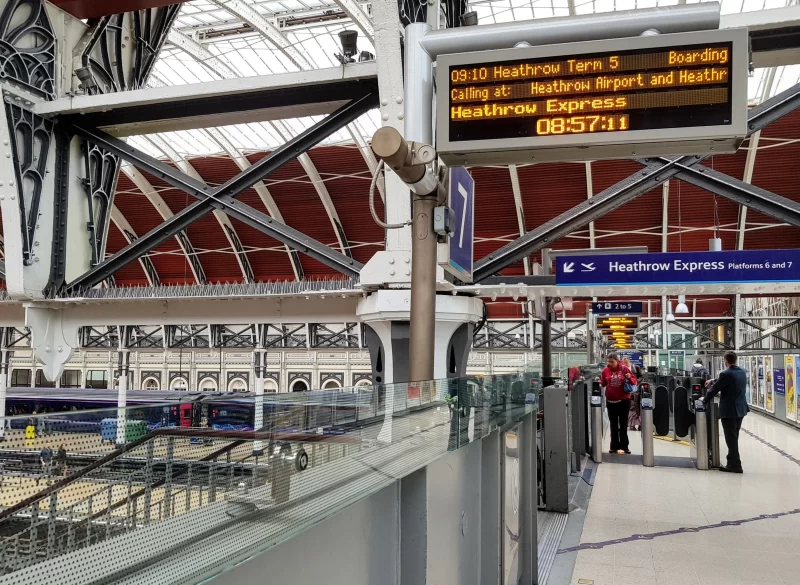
223,197
622,192
742,193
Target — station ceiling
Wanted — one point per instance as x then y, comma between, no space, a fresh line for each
303,34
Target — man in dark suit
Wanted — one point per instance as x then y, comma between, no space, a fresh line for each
731,386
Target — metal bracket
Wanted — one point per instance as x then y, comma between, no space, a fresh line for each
52,338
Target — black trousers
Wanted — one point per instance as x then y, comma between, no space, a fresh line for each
618,422
731,428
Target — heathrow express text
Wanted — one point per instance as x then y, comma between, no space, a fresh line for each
682,266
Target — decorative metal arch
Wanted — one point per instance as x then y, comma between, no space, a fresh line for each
28,46
31,137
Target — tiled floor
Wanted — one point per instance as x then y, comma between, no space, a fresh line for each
631,499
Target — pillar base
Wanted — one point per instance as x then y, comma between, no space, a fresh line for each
387,313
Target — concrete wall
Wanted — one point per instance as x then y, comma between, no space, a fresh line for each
454,518
357,546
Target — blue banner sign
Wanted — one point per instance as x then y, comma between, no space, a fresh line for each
617,307
779,375
680,268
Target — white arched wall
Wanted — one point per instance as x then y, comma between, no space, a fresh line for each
299,385
208,385
179,383
237,385
151,384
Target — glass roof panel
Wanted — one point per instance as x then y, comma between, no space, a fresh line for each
312,27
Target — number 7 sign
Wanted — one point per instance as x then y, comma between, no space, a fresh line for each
456,255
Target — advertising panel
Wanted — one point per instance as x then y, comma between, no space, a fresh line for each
769,401
791,405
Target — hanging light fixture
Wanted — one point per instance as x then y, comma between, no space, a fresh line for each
681,308
670,316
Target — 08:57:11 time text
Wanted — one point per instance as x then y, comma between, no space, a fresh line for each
582,124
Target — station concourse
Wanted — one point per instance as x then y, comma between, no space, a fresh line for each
340,291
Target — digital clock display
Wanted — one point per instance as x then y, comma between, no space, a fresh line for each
642,89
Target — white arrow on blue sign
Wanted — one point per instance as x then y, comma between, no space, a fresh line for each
462,202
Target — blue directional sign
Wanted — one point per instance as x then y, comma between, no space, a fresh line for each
617,307
680,268
462,202
637,357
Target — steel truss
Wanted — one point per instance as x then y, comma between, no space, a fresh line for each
223,197
769,333
656,172
701,330
324,336
187,336
99,337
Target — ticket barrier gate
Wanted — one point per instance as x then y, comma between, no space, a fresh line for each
682,415
671,414
645,389
596,407
704,436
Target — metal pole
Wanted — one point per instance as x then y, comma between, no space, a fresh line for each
122,396
423,290
404,158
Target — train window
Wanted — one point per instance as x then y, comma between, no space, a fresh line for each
270,386
71,379
150,384
20,377
97,379
42,382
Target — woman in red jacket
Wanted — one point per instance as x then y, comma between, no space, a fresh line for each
618,401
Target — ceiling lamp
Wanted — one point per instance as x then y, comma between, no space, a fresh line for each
670,316
681,308
348,40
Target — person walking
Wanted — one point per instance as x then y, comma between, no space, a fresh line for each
618,401
635,413
698,369
730,386
61,460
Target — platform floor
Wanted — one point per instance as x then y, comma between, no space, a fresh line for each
681,526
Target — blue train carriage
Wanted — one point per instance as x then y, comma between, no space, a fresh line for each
82,410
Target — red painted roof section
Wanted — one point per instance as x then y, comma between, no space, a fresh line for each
546,189
98,8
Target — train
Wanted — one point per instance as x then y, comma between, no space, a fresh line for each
82,410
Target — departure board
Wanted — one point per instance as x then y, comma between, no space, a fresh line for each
675,86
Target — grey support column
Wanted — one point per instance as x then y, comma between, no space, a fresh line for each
414,528
528,546
556,450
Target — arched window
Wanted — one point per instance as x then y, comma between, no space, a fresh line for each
331,385
237,385
208,385
151,384
364,383
299,385
179,383
270,386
